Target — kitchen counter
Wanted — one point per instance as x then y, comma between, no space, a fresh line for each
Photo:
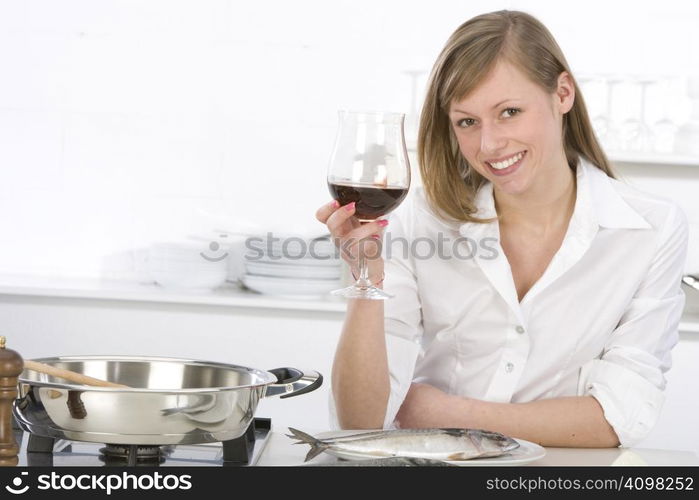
228,294
282,451
276,449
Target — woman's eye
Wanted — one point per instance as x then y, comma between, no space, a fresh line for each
510,112
466,122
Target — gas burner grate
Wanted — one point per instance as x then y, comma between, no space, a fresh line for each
132,454
244,450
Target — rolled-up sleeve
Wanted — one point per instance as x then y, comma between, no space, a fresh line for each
628,379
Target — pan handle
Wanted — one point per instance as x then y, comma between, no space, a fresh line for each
691,280
293,382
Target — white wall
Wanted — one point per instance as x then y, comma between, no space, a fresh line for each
125,122
129,121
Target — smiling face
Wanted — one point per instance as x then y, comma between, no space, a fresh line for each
510,129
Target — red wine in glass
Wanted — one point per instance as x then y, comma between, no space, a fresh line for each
371,201
369,166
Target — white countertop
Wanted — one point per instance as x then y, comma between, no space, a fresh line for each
93,288
282,451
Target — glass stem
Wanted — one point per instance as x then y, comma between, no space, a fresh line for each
363,280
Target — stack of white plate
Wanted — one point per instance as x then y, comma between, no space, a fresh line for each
292,266
187,265
230,245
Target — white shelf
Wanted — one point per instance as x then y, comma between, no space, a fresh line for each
653,159
226,295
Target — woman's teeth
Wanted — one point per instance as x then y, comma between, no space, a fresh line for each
507,163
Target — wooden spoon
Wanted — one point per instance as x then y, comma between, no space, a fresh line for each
71,376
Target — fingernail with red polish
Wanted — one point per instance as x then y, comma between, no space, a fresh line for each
350,207
334,203
383,223
376,236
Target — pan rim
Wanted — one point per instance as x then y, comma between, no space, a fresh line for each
264,374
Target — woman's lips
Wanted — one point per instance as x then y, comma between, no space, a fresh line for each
508,170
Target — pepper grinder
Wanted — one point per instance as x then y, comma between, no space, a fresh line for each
11,366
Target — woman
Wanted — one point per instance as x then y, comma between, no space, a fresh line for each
564,336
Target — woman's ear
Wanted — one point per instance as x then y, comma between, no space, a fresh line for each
565,92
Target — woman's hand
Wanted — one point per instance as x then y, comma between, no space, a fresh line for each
426,407
349,235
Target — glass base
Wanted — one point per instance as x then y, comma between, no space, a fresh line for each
362,292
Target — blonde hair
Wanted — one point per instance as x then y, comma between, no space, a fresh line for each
470,53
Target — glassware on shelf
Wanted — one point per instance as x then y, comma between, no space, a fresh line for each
593,88
664,129
608,132
369,166
412,120
687,137
635,134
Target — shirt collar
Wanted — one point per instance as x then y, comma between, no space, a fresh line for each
610,209
597,204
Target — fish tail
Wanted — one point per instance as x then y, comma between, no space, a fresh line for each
317,446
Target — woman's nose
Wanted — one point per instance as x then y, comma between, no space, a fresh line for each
492,139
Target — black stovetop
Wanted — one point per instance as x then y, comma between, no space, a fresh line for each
242,451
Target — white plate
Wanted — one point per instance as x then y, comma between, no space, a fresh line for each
170,279
288,286
287,271
293,248
201,265
527,452
305,261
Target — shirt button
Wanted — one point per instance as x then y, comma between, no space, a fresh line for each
519,329
509,367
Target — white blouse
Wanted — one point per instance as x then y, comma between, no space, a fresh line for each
600,321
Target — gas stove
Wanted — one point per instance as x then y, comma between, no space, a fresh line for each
243,451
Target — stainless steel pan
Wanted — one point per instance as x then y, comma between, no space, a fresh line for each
169,401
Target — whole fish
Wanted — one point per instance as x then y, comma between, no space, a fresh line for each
436,444
386,462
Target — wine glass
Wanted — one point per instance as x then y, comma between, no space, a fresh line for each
636,134
665,127
610,136
369,166
592,87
